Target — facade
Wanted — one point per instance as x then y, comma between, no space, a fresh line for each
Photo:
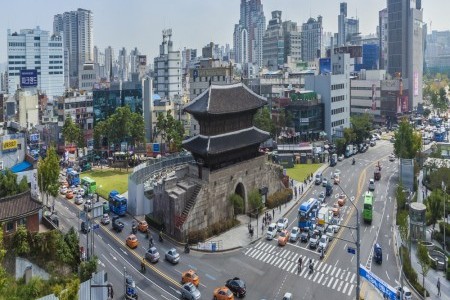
123,64
109,63
394,99
167,68
88,76
76,27
20,209
28,109
292,42
383,36
249,32
312,39
35,49
273,42
348,28
186,56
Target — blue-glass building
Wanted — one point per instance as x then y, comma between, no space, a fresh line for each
370,57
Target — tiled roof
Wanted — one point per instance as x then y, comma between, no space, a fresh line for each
225,99
217,144
18,206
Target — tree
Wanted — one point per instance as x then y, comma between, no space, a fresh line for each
426,112
349,136
238,204
9,185
48,174
87,268
262,120
137,129
361,126
434,205
3,274
407,142
402,222
21,244
424,262
340,145
71,291
169,130
71,131
72,240
254,200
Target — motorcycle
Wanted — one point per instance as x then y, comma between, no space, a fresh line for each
311,268
134,228
186,248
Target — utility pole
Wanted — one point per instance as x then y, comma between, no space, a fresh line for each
444,189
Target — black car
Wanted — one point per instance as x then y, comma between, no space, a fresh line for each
237,286
85,228
117,225
304,237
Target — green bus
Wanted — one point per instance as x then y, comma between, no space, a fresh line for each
368,207
89,184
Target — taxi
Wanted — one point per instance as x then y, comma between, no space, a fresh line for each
190,276
69,194
283,237
223,293
132,241
143,226
341,200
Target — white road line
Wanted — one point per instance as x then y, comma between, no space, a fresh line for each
343,274
254,253
387,257
353,277
276,261
295,257
258,244
303,270
328,270
330,282
340,286
325,279
319,265
345,247
338,272
264,247
345,288
282,263
336,263
285,253
288,269
320,278
350,289
270,259
315,277
335,283
332,272
253,250
346,278
263,258
257,256
387,275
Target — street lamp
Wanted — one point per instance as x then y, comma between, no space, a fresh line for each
358,245
444,189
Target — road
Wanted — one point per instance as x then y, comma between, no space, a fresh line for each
269,270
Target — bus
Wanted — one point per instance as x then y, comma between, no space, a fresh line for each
117,203
90,186
306,212
368,207
73,178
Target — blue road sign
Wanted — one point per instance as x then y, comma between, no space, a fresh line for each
95,226
382,286
351,250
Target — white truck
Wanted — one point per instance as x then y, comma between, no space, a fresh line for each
271,231
323,219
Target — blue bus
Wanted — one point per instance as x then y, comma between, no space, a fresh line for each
306,213
73,178
439,135
117,203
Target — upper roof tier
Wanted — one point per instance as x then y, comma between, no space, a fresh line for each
225,99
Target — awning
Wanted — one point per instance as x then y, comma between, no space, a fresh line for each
23,166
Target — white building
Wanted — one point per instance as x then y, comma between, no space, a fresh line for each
167,68
28,108
87,76
35,49
383,35
312,32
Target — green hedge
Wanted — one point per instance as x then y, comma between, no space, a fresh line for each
197,236
409,271
448,273
279,198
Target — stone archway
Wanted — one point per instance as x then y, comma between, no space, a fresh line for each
240,190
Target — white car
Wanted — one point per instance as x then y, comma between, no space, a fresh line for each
271,231
371,184
405,291
63,190
295,234
335,223
324,182
323,243
79,199
282,224
392,157
337,172
105,219
322,197
330,232
341,157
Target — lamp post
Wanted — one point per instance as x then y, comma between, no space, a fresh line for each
444,189
358,245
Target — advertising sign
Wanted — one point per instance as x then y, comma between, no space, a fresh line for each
142,60
404,103
416,83
28,78
9,145
34,138
325,65
382,286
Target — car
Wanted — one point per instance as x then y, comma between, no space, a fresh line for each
377,253
287,296
322,197
88,205
69,194
318,179
337,179
392,157
294,235
373,143
105,219
117,225
371,184
336,209
63,190
405,291
271,231
172,256
80,191
223,293
79,199
143,226
314,240
237,286
324,182
132,241
341,200
85,228
336,224
323,243
190,276
330,232
282,224
341,157
304,236
283,237
152,255
376,136
190,292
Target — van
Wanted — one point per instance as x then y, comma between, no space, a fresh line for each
318,179
271,231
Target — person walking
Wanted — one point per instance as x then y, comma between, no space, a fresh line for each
438,285
273,213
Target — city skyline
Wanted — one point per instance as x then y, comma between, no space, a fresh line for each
144,21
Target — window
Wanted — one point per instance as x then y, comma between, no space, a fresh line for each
9,226
23,221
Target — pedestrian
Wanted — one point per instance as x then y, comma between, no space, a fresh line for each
295,192
273,213
279,207
438,285
302,188
262,227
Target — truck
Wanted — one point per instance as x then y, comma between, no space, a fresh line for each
323,218
348,151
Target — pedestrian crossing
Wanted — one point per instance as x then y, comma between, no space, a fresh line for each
325,274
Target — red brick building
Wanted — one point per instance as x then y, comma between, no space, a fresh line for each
17,210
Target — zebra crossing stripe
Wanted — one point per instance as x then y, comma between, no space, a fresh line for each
324,282
263,258
284,254
343,274
330,282
258,244
291,267
319,266
276,261
257,256
248,250
353,277
282,263
295,257
340,286
350,289
332,272
254,253
317,275
335,283
346,278
270,259
345,288
320,278
338,272
328,270
304,268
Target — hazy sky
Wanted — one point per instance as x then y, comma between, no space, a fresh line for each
194,23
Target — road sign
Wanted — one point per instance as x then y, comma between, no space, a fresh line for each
351,250
382,286
95,226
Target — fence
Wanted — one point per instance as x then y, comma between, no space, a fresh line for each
211,246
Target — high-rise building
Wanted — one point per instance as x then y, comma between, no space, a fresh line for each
273,42
312,39
77,29
292,42
123,64
109,63
36,50
383,36
134,60
187,56
167,68
405,46
249,32
348,28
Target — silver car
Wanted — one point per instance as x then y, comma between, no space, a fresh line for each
330,232
323,243
172,256
371,184
152,255
190,292
295,234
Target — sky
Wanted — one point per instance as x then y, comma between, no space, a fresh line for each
194,23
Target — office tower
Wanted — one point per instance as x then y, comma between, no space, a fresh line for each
312,39
187,55
249,32
348,28
35,51
273,42
134,60
405,46
167,68
383,36
292,42
123,64
77,30
109,63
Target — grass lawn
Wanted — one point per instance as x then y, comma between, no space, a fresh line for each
300,171
109,179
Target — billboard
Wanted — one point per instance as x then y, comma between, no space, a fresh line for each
142,60
325,66
28,78
9,145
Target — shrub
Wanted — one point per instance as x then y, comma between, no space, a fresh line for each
152,222
198,236
433,264
279,198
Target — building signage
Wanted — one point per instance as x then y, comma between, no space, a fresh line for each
156,148
416,83
28,78
9,145
325,65
382,286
